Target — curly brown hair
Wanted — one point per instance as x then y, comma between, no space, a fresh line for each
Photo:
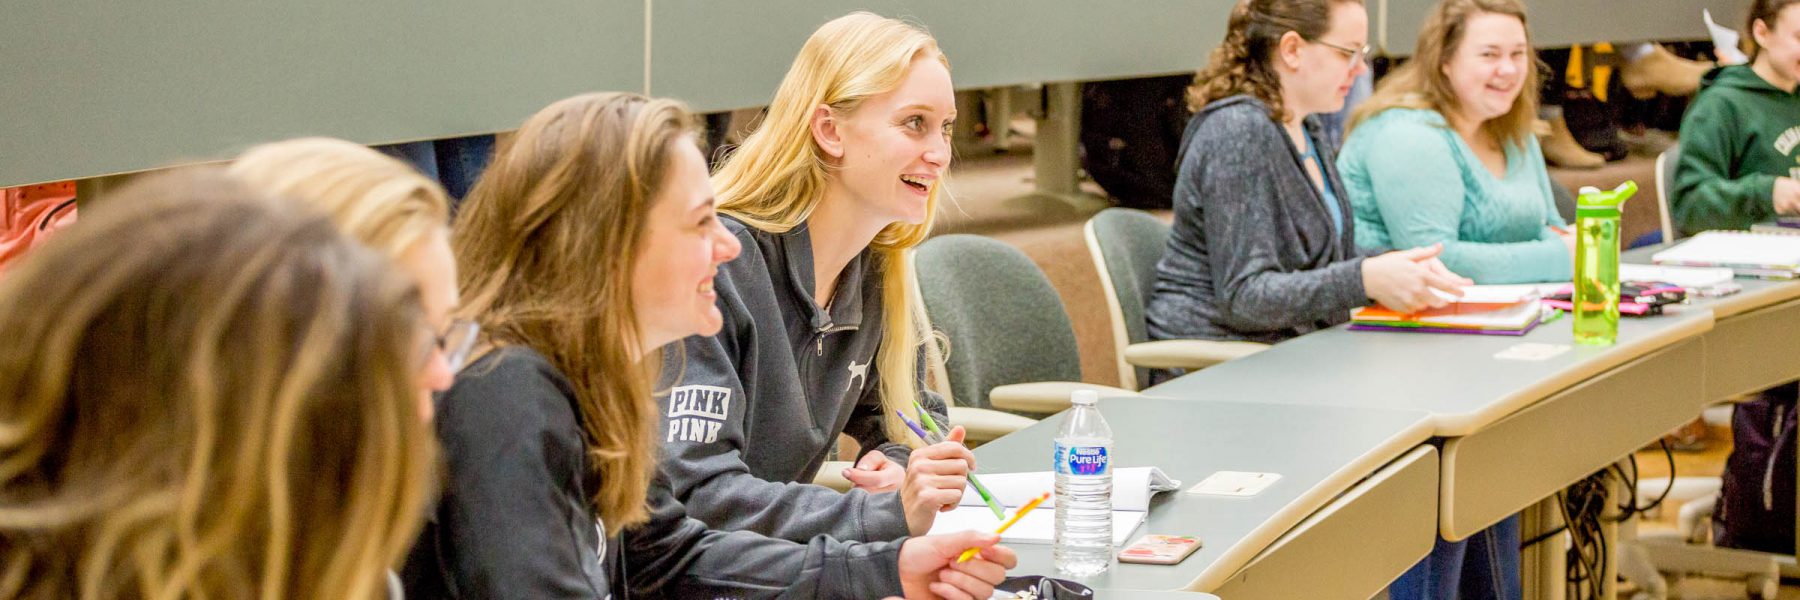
1244,62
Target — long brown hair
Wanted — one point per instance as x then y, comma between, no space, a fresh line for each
1765,11
777,177
1245,62
210,395
1422,84
546,244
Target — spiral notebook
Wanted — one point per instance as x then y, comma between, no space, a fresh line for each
1765,255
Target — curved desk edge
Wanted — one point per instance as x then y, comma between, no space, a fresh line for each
1620,354
1252,545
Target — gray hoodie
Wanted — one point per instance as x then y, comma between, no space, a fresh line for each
515,518
1253,254
754,410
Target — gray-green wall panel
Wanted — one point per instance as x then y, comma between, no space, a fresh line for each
1556,23
719,55
90,88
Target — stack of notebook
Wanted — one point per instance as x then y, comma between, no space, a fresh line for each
1764,255
1482,309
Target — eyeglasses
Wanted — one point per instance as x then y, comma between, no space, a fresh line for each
457,341
1355,54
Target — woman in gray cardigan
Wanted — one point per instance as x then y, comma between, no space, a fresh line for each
1262,248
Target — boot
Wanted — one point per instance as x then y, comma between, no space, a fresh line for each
1662,71
1561,149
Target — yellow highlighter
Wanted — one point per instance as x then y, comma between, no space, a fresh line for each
970,553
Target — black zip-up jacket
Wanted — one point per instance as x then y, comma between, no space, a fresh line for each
756,409
515,518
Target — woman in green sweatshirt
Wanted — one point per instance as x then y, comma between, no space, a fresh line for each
1740,141
1738,167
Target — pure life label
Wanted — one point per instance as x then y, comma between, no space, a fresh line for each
1081,460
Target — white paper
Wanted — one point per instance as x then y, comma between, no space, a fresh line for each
1725,41
1038,527
1132,488
1736,250
1492,294
1235,483
1531,351
1687,277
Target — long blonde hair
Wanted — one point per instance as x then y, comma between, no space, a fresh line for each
1422,84
546,244
777,177
372,196
210,396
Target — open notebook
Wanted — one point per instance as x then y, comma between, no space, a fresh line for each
1482,309
1132,489
1769,256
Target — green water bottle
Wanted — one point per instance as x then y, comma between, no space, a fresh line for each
1597,263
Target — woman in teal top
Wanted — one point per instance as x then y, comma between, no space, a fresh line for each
1443,153
1447,156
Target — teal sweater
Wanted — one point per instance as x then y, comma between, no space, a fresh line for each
1413,182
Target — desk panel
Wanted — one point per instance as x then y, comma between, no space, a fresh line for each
723,55
1320,452
1562,23
1508,465
96,88
1753,351
1388,522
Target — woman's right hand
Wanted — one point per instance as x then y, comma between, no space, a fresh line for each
1403,280
929,571
1787,196
936,476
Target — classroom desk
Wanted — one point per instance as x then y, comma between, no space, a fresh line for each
1516,431
1357,461
1753,345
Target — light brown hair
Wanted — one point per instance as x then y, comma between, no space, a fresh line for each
1765,11
546,244
210,395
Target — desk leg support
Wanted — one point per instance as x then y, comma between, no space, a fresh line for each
1543,566
1055,153
1616,494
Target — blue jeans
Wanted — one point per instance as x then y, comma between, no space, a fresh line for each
1483,567
454,162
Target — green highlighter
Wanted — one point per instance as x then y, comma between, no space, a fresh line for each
987,497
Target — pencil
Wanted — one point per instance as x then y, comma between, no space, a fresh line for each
970,553
986,496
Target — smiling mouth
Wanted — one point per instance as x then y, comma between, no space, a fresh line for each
915,182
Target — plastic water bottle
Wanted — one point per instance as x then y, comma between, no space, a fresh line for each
1597,263
1084,529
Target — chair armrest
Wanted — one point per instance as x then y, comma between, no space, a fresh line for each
986,425
1045,397
831,475
1188,354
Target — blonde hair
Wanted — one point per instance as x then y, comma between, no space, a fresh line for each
1244,62
546,245
373,197
777,177
223,410
1422,84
